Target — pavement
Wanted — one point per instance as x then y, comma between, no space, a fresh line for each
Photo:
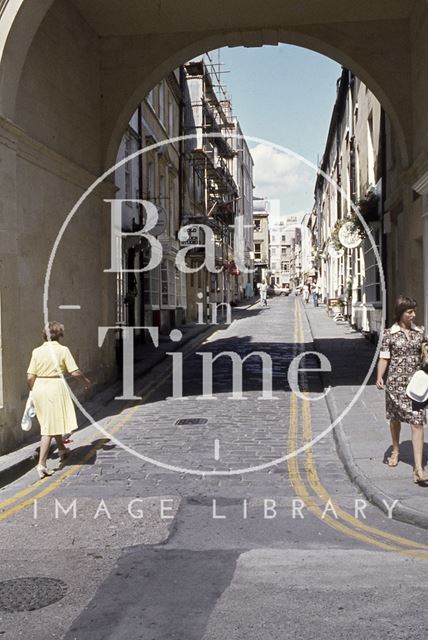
362,431
15,464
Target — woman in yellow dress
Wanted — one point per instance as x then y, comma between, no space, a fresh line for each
52,400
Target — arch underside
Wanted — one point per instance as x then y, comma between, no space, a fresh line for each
131,64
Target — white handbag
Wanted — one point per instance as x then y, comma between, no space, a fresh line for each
417,389
29,414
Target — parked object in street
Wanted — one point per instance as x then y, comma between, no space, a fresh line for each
52,400
400,354
275,290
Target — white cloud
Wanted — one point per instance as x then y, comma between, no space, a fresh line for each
277,172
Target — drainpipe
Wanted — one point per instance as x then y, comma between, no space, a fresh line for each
140,189
384,248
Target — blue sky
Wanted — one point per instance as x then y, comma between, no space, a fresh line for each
285,95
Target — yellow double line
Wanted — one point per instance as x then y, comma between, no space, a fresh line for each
314,494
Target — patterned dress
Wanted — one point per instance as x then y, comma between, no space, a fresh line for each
404,355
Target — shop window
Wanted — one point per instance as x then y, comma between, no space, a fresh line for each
168,284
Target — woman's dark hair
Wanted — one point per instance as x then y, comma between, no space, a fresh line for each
53,331
402,304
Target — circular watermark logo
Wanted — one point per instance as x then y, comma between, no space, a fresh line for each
345,236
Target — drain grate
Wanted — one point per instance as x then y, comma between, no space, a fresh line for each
27,594
191,421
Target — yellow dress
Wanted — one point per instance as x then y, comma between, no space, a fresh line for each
52,400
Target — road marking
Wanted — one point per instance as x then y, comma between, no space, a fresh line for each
322,493
69,306
216,449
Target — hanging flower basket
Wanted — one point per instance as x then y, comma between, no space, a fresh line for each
369,207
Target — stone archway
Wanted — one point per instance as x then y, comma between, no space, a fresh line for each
373,41
72,72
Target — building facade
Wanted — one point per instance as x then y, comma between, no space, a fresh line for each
280,255
352,181
261,239
200,183
157,296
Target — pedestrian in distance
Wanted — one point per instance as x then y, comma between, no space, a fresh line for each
400,355
315,296
306,293
263,292
52,400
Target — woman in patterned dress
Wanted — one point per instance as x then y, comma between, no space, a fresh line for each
52,400
401,355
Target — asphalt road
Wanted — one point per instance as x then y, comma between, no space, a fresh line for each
226,534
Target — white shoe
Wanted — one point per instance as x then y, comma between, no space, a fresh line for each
43,471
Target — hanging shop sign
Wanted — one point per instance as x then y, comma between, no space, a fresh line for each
349,235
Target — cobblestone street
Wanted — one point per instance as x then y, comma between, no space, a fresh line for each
149,552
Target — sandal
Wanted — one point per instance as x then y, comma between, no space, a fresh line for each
393,459
419,476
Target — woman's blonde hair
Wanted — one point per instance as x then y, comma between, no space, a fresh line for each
53,331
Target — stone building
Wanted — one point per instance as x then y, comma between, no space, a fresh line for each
156,297
280,254
261,239
218,188
352,178
243,225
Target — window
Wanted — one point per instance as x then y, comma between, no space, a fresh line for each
151,287
150,180
162,102
372,279
168,284
257,225
171,131
180,289
257,251
128,172
172,205
162,191
370,152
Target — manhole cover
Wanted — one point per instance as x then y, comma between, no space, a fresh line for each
187,421
27,594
